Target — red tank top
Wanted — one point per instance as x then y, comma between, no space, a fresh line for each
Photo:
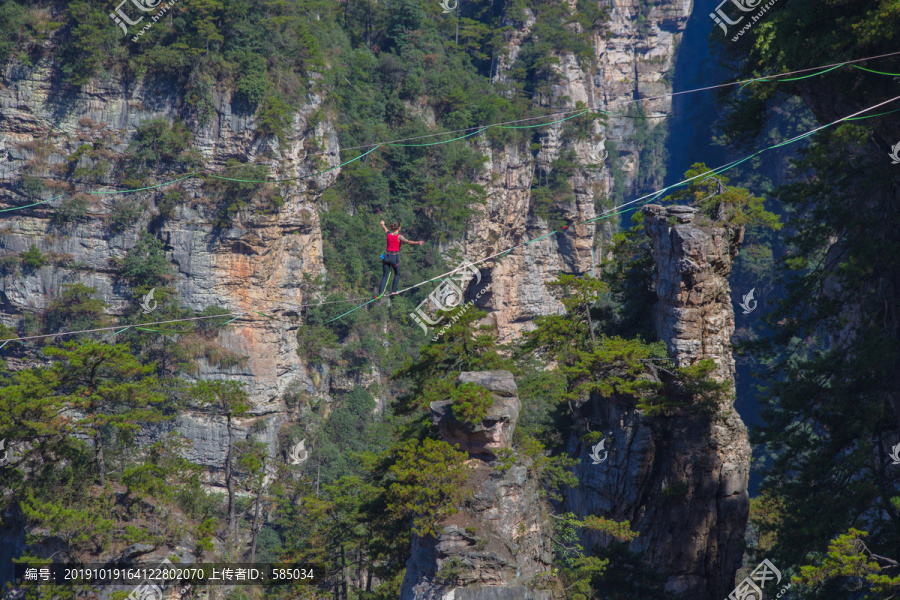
393,242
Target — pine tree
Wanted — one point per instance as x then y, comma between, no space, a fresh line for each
108,390
228,399
831,356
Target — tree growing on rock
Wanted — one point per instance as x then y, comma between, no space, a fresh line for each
227,399
108,390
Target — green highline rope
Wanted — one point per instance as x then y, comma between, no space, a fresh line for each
733,92
729,94
708,174
214,176
462,137
234,319
539,124
763,79
164,331
535,240
724,168
485,129
879,72
296,178
105,193
352,310
870,116
188,176
378,297
35,203
803,77
149,187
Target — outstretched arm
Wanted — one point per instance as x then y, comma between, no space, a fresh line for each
383,226
406,241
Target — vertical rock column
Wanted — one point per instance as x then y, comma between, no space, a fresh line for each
681,480
496,545
695,318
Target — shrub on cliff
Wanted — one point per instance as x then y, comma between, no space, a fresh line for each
274,118
75,309
718,201
237,187
146,264
471,403
426,484
158,145
33,259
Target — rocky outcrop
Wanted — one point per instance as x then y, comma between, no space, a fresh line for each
680,480
259,262
633,59
694,315
496,546
254,265
496,429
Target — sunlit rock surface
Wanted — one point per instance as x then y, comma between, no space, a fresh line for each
496,546
680,480
496,429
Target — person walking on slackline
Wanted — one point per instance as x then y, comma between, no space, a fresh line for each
390,260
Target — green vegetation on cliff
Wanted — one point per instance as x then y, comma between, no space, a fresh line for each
830,500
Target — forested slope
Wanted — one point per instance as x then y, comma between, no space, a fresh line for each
207,194
237,94
830,501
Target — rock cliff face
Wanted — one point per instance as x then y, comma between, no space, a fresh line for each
496,545
632,61
680,480
259,262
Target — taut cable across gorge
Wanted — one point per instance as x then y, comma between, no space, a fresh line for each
607,214
610,371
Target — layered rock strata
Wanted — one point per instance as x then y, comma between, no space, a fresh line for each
680,480
260,261
496,429
495,547
634,57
